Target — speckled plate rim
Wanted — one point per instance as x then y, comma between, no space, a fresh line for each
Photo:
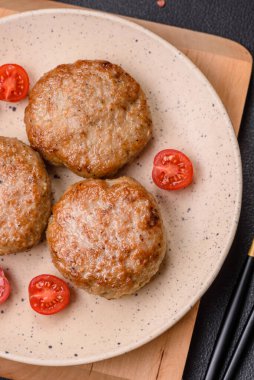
235,216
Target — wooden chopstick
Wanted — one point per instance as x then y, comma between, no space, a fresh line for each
230,319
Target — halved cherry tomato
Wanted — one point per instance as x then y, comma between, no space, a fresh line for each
14,82
48,294
5,288
172,170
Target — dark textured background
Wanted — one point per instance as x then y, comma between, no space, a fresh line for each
232,19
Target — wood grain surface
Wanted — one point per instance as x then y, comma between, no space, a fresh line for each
228,66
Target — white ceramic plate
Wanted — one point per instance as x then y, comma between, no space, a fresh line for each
200,220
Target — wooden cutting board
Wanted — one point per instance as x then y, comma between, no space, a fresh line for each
228,66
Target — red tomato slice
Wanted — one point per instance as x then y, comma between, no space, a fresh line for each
172,170
48,294
5,288
14,83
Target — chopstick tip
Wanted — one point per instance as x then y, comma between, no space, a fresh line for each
251,250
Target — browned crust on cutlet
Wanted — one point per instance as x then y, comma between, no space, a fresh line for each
90,116
25,196
107,236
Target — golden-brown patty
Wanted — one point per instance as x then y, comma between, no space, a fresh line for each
90,116
25,197
107,236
